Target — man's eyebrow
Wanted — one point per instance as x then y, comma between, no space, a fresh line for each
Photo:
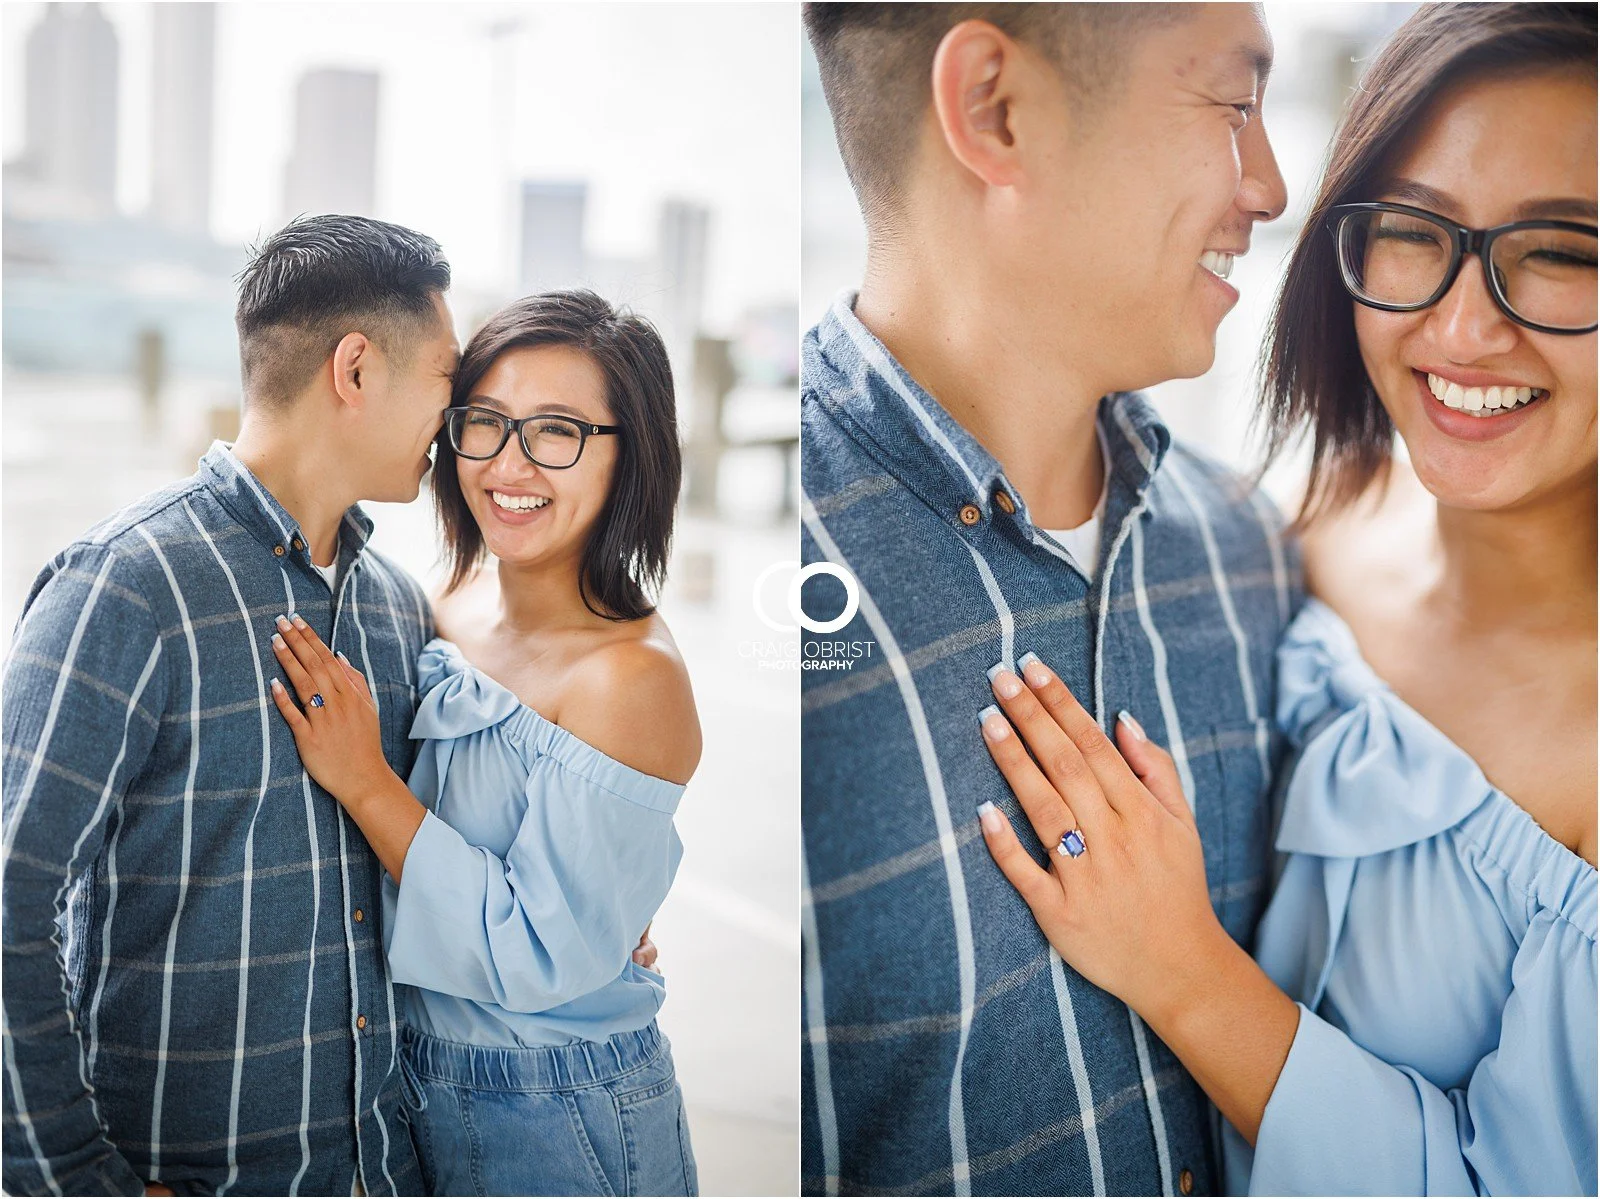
1258,60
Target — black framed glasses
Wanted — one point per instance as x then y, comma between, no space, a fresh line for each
1401,259
549,439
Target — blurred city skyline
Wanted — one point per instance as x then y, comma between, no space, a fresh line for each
436,117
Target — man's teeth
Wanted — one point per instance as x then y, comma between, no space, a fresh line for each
1218,263
518,503
1481,401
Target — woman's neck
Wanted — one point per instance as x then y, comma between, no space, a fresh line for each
542,596
1532,566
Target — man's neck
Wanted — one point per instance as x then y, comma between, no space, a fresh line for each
292,464
1024,404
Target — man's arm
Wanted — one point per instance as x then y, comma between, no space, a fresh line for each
83,690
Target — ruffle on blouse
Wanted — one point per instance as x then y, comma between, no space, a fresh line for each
458,699
1374,776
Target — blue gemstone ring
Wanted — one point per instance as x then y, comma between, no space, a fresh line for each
1072,844
317,701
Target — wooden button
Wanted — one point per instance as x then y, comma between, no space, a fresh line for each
361,1022
278,550
1186,1181
360,915
1003,502
970,514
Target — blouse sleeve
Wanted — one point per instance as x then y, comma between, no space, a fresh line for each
1342,1121
554,919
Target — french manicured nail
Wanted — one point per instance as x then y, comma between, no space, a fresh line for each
1033,670
340,655
277,686
283,622
298,622
1006,684
995,726
277,640
1126,717
989,816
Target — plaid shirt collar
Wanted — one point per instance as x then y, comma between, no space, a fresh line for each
254,507
869,390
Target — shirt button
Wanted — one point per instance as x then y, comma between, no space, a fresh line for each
970,514
277,551
1186,1181
1003,502
298,544
361,1022
359,915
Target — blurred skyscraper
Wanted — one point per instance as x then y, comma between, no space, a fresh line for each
183,67
551,253
333,166
69,164
682,243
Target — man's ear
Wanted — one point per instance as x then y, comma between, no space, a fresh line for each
351,359
975,78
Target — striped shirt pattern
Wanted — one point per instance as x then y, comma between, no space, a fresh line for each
195,989
948,1049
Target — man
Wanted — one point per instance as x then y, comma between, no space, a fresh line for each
224,1022
1053,197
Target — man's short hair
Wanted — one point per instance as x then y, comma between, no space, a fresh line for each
322,277
876,63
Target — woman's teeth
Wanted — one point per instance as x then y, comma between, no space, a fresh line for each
1481,401
518,503
1218,263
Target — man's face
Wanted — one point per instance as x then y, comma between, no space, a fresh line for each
408,411
1140,203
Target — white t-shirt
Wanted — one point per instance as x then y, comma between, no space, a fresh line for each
1083,542
331,572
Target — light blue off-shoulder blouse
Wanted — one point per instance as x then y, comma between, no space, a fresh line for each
538,865
1441,946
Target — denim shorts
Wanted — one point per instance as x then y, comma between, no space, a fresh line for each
590,1118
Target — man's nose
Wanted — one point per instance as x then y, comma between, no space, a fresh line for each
1466,323
1262,194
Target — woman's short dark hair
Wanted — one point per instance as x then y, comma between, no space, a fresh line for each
625,560
1311,368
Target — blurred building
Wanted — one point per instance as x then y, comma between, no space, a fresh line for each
69,164
681,245
551,242
183,68
333,166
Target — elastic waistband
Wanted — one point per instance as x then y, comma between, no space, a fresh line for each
545,1068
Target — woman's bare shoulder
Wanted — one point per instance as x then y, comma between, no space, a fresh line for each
631,698
1374,548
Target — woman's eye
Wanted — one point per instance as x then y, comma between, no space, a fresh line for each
558,428
482,422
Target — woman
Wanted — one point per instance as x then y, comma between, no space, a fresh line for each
557,731
1423,1015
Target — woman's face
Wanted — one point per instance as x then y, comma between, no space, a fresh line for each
528,513
1486,153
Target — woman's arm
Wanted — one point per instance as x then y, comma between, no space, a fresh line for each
527,931
1131,913
341,744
